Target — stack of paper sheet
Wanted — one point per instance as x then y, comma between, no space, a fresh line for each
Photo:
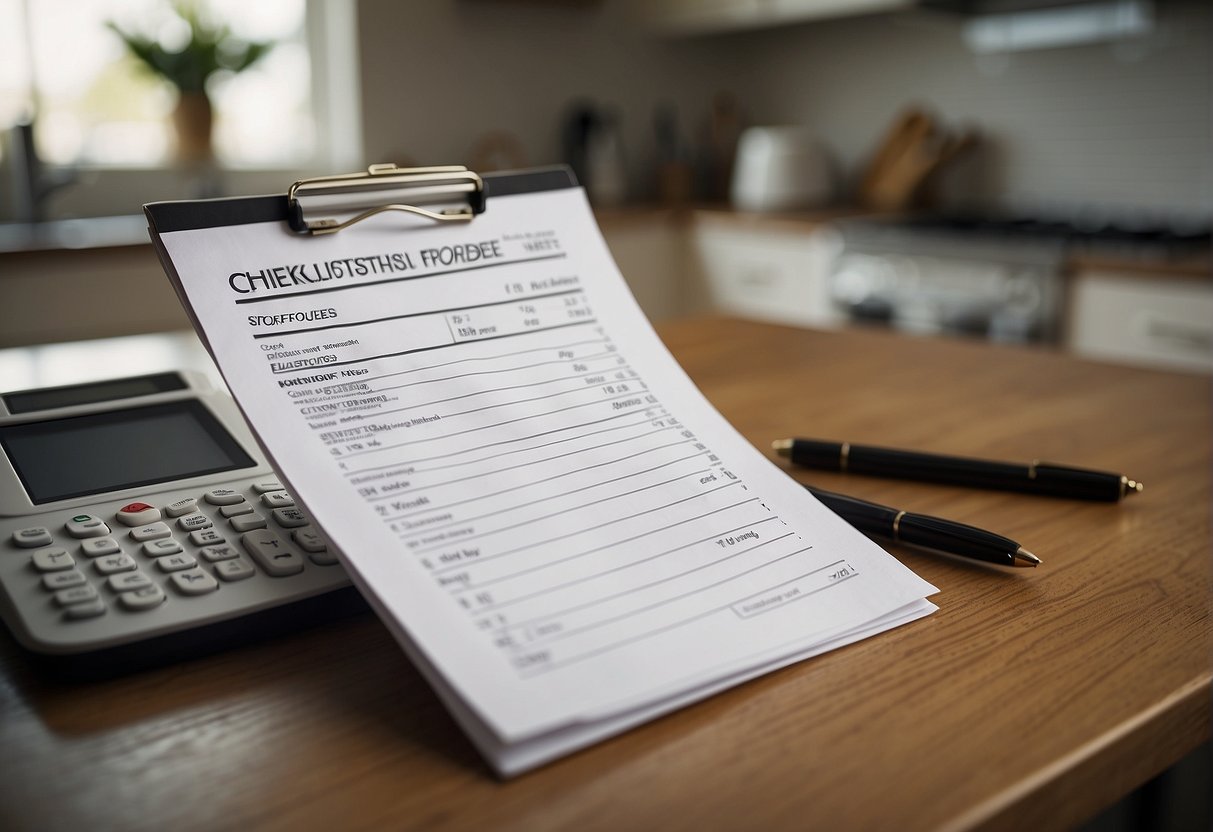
559,529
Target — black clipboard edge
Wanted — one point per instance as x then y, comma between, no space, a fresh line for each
188,215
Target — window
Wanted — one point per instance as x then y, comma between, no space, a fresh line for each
96,106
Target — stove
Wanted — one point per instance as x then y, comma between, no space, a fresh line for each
995,277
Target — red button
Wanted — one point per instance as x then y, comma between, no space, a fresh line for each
138,513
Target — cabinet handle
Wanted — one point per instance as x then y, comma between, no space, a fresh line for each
1188,336
757,278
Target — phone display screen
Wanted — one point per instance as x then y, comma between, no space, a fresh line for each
77,456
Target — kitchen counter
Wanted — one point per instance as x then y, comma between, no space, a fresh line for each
85,233
1196,264
131,230
65,280
723,212
89,278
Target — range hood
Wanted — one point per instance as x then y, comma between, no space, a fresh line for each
1014,25
986,7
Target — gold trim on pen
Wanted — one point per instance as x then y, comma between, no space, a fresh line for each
844,453
1128,486
1032,469
783,447
897,525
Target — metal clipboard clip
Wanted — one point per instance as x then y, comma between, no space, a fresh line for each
312,202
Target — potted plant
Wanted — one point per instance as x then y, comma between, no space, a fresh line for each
210,47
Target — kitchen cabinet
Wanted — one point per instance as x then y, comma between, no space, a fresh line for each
690,17
768,273
1142,318
650,247
55,295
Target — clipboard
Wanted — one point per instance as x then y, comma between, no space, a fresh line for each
503,581
308,207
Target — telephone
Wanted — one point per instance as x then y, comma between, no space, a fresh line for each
139,522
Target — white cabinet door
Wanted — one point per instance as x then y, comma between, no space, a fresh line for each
770,275
652,258
1142,320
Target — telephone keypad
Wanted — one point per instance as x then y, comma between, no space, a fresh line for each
194,522
113,564
152,531
164,546
193,582
145,598
248,522
137,514
206,537
52,559
273,547
234,569
86,525
187,505
85,609
33,537
97,546
64,580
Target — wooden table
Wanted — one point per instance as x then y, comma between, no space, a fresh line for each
1029,701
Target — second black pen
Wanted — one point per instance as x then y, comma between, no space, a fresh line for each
926,531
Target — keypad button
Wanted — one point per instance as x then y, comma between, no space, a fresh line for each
145,598
234,570
127,581
85,609
152,531
290,518
205,537
137,514
33,537
193,582
248,522
53,559
267,485
75,595
309,540
271,553
187,505
193,522
156,548
238,508
175,563
277,499
211,554
112,564
86,525
97,546
64,580
323,558
223,497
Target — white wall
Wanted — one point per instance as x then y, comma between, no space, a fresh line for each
1122,130
437,74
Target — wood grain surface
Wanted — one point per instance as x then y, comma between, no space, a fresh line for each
1032,699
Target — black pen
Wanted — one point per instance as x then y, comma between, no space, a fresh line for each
1034,478
926,531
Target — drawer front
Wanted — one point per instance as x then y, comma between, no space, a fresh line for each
1167,323
767,276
